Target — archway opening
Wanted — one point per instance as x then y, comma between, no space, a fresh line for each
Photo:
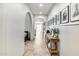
28,27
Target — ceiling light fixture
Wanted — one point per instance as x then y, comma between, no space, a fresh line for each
41,5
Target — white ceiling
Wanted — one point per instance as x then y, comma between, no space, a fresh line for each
36,9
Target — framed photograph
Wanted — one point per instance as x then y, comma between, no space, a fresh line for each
49,22
55,20
65,15
74,12
58,18
52,20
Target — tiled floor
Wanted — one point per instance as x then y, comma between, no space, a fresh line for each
36,47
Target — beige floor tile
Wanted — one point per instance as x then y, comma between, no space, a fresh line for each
36,47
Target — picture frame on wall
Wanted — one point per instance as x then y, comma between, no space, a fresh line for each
55,20
58,17
49,22
74,12
65,15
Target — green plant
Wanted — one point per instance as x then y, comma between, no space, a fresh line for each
56,31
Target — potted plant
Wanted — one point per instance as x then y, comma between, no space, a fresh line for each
56,32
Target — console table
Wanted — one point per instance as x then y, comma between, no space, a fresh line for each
55,40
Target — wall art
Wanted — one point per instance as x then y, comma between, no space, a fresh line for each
58,18
74,12
65,15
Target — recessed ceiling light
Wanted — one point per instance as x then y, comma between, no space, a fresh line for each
41,5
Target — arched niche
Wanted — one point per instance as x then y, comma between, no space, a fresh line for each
28,24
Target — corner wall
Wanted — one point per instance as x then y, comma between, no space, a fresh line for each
69,34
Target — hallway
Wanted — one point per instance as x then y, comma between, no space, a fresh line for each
51,28
37,47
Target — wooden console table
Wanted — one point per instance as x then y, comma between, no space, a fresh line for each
55,40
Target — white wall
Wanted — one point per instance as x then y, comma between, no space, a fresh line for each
12,28
1,41
69,34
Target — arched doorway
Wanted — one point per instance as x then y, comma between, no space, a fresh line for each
28,27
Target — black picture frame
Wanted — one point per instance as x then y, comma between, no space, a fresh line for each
74,9
55,21
65,15
58,18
